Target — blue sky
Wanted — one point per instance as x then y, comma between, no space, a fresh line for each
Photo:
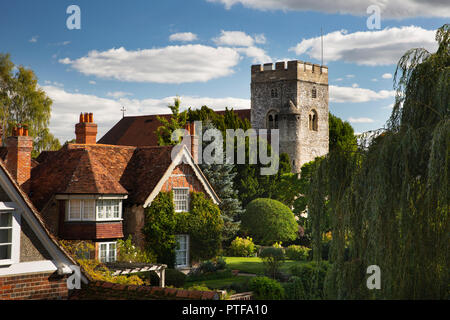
140,54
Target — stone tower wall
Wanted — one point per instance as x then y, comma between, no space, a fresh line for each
294,83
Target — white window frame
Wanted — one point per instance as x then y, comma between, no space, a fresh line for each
10,208
96,210
187,199
187,251
107,250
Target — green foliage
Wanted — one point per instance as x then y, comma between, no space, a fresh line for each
390,201
242,247
159,228
294,289
175,278
342,135
128,252
265,288
204,225
177,121
96,270
269,221
312,277
221,177
273,258
22,102
297,253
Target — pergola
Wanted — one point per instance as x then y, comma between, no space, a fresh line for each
124,268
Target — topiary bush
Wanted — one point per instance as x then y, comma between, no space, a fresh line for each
297,253
265,288
272,258
312,275
268,221
241,247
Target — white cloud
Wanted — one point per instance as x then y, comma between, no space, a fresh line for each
360,120
92,82
397,9
183,36
172,64
245,44
67,106
260,38
387,76
355,85
33,39
383,47
234,38
118,94
354,94
350,75
257,54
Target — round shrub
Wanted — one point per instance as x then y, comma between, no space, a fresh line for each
241,247
297,253
175,278
269,221
265,288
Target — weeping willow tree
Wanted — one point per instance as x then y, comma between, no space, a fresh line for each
390,202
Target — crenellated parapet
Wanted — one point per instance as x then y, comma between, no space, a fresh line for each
292,70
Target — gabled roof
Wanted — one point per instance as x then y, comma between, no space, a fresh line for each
141,130
107,169
35,221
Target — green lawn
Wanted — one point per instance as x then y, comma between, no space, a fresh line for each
254,264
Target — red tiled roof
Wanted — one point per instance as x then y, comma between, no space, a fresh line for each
141,130
100,169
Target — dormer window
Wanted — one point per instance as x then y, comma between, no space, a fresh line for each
94,209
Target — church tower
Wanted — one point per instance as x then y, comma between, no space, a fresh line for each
294,99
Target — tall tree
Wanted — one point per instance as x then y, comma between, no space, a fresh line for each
390,202
22,102
176,121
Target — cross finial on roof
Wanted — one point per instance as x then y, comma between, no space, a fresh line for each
123,112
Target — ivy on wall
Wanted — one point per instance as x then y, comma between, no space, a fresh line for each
203,223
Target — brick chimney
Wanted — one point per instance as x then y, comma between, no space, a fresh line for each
190,127
86,129
18,159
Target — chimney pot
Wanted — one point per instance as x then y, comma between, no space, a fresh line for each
81,118
86,131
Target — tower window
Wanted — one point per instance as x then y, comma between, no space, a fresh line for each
313,121
274,93
314,93
272,120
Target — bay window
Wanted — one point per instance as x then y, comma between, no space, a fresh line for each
94,210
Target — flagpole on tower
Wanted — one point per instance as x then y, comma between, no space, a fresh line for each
321,45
